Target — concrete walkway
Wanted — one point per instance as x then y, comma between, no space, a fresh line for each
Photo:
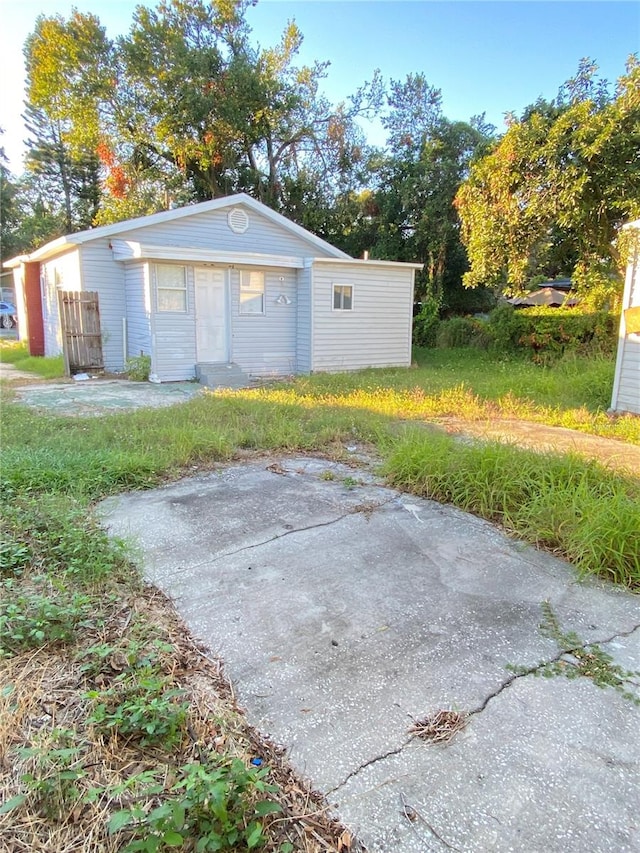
11,373
346,612
619,455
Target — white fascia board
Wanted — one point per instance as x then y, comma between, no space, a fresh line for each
362,263
130,250
50,250
12,263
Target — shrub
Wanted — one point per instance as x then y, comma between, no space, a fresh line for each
425,324
546,334
462,332
138,368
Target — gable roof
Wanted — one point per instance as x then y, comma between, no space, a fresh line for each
70,241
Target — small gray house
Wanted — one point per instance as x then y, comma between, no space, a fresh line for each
626,383
225,282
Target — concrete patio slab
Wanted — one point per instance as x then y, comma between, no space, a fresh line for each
97,397
346,611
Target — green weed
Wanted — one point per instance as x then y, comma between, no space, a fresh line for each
54,763
211,804
581,660
138,368
31,618
57,536
142,706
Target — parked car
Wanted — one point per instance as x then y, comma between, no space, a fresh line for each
8,315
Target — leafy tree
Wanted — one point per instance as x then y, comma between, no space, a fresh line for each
185,108
410,214
68,76
9,213
552,195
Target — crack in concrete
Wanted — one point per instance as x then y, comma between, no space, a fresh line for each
541,665
364,509
368,763
505,684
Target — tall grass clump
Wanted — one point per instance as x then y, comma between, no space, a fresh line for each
574,507
13,352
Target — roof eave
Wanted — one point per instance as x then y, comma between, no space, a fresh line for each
103,231
368,263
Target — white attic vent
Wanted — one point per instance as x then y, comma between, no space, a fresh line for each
238,220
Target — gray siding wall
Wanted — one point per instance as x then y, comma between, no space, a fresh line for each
138,303
628,396
211,231
101,273
303,337
265,345
377,332
173,336
629,388
62,273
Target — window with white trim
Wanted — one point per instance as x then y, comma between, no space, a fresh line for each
251,292
343,297
171,287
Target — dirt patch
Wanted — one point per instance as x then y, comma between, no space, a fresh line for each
618,455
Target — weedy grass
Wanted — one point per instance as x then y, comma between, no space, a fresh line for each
16,353
575,507
471,385
99,679
126,748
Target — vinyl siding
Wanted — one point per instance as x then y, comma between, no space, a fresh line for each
211,231
173,336
629,387
265,345
61,273
106,276
303,336
18,286
138,304
377,332
626,391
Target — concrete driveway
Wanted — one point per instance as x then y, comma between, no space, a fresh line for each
346,612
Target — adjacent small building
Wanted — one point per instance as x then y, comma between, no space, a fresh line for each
626,383
225,283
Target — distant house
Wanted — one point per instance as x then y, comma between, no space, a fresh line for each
626,383
226,283
552,297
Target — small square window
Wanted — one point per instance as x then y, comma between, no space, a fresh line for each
171,284
251,292
342,297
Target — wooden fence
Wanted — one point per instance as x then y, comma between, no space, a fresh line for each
81,336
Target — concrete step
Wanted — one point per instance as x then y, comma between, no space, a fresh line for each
221,375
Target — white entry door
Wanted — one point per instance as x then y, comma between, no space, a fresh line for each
211,315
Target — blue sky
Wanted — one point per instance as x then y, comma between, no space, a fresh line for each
485,56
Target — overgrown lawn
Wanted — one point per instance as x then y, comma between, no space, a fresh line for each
112,738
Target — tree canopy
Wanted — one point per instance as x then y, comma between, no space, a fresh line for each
552,195
185,107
